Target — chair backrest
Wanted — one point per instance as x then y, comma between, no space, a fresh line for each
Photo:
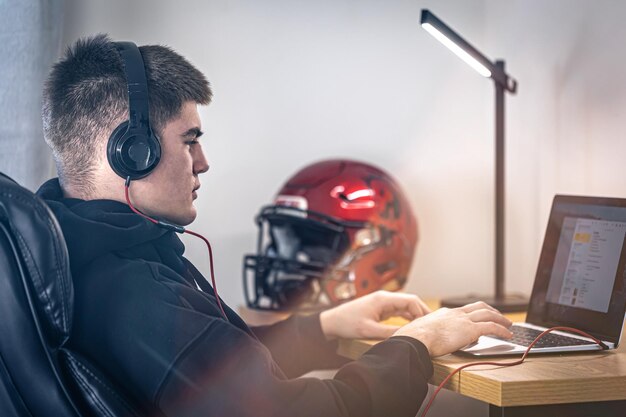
39,375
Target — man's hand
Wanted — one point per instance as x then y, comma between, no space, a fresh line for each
360,318
447,330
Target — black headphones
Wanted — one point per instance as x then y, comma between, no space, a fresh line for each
134,150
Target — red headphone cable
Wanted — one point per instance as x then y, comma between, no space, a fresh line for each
181,230
511,363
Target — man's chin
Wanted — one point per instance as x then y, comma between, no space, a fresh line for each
185,221
180,219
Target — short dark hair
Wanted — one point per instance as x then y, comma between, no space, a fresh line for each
86,96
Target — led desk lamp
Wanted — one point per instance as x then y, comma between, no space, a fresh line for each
502,82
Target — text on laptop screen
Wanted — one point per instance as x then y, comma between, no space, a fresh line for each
586,262
581,277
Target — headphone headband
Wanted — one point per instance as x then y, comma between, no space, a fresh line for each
137,85
133,150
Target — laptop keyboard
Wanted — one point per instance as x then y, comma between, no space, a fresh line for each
524,336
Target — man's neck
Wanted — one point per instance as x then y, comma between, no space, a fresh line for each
100,190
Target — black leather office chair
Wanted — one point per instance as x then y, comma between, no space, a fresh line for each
39,374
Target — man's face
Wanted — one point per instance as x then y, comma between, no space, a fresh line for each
170,190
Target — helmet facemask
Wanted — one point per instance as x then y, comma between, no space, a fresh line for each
301,252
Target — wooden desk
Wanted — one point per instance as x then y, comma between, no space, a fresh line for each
575,384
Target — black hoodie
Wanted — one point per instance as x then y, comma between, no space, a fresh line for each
139,315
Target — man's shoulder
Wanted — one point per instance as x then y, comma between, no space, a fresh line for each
116,274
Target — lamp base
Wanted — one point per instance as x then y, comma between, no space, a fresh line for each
512,303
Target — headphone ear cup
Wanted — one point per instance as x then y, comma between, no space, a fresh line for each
133,154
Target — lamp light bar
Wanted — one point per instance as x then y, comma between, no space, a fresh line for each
482,70
453,41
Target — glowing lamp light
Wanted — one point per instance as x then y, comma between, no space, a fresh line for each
482,70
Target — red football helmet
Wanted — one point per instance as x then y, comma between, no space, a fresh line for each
338,229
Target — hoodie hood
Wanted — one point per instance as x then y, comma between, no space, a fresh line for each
95,228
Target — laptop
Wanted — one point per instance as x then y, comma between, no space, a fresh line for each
580,281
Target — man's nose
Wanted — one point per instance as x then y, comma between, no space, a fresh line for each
200,165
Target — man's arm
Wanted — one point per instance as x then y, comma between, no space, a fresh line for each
227,372
302,343
299,345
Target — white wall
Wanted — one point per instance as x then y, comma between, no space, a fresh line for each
30,37
297,81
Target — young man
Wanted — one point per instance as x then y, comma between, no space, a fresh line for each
139,313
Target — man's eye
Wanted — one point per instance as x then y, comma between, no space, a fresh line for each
191,142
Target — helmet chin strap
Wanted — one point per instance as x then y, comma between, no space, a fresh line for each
178,229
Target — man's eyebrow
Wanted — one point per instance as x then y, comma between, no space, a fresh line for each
194,132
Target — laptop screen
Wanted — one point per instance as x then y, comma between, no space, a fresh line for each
581,277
